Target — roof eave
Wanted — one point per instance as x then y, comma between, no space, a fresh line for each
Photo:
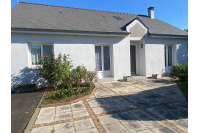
156,35
67,31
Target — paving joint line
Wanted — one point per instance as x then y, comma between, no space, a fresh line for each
73,117
94,118
150,91
151,114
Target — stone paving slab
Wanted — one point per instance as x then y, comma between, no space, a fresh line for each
84,124
115,128
78,106
64,108
63,116
47,111
80,113
45,129
92,130
164,129
64,128
45,119
142,106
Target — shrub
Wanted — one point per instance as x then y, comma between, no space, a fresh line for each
68,92
80,75
180,71
55,71
92,76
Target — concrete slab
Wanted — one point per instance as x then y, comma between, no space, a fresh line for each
64,128
45,119
145,131
64,108
134,126
84,124
63,116
92,130
45,129
47,111
107,119
77,106
124,116
80,113
115,128
99,110
164,129
113,107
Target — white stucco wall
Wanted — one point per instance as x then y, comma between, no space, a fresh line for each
81,49
155,59
121,59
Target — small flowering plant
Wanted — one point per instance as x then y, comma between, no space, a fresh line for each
54,70
92,76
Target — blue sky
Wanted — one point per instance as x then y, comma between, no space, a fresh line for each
174,12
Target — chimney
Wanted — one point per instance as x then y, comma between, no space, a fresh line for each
151,12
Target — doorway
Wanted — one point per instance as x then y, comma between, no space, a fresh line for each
133,59
103,61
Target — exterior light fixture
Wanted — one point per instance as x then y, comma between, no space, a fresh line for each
141,45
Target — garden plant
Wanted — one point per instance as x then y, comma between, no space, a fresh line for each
65,83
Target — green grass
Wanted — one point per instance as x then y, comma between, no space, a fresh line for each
183,85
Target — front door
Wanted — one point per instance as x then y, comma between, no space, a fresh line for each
133,59
102,58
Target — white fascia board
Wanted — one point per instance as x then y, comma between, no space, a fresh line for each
65,33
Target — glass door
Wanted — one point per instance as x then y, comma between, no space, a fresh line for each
168,57
102,58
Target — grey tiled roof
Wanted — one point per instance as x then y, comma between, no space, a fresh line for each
38,16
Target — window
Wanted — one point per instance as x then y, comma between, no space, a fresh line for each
102,57
168,55
39,50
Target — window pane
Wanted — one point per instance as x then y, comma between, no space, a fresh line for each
98,58
165,56
106,53
169,55
47,49
35,54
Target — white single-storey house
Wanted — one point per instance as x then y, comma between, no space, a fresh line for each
116,44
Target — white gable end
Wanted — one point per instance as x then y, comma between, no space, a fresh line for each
137,29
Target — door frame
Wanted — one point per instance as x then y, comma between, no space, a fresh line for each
102,60
131,59
136,44
174,53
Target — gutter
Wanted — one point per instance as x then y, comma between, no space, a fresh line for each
58,31
156,35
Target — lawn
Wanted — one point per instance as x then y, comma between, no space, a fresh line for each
183,85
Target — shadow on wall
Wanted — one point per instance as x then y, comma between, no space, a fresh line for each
27,76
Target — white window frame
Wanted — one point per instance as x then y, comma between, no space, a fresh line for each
166,55
102,52
42,54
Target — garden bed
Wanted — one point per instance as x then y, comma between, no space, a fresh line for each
48,101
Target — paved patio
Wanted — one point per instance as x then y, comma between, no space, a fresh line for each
142,105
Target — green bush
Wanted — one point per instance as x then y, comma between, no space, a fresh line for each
81,75
56,70
180,71
68,92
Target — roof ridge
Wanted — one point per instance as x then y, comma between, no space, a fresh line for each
78,8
